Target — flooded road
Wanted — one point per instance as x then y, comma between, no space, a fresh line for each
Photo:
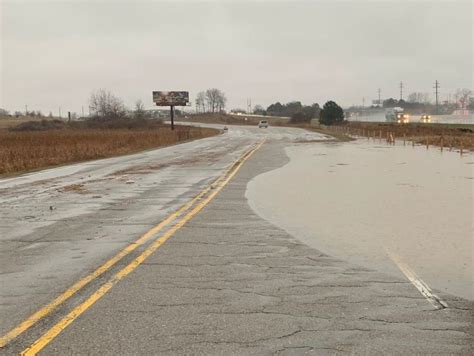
378,205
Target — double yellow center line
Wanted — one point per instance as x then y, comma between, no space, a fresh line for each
204,199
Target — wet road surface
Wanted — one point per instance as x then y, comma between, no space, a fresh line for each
225,281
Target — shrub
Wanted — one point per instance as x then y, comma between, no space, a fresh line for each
331,114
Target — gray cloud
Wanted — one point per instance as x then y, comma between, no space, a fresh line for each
54,53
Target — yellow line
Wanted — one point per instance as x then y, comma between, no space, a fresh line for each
46,338
47,309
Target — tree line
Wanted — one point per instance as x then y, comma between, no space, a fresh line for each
418,102
331,113
212,100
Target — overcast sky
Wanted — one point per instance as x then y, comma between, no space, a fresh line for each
54,53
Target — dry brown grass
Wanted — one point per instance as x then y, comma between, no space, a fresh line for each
445,135
9,121
234,119
29,150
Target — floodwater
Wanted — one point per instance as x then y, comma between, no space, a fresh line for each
366,201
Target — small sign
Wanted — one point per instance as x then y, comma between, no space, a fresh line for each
171,98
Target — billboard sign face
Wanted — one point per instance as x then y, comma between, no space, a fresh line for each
171,98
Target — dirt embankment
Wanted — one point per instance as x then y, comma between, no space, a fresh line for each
28,149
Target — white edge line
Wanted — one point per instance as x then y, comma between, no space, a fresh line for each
419,284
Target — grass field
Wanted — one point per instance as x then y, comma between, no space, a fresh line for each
22,151
460,136
233,119
8,121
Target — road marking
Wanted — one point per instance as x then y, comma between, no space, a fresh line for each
46,338
47,309
422,287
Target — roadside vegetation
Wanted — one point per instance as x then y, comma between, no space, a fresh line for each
29,143
448,136
28,150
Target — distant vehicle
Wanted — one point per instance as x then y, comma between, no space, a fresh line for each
225,128
263,123
397,115
425,118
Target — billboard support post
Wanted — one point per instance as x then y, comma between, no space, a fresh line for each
171,99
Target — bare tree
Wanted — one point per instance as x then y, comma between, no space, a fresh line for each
418,97
462,97
4,112
201,102
104,104
140,111
221,101
215,99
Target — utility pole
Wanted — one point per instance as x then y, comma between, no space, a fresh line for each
60,112
363,102
82,110
26,110
401,90
172,116
436,87
249,106
379,91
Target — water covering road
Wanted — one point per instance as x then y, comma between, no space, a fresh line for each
368,202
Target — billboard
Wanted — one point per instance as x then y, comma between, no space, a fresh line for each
171,98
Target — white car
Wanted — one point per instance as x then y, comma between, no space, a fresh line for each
263,123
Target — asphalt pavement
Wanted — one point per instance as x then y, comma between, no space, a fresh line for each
217,279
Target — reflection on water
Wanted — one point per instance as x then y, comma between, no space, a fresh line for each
358,200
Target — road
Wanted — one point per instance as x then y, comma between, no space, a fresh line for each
435,119
159,252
